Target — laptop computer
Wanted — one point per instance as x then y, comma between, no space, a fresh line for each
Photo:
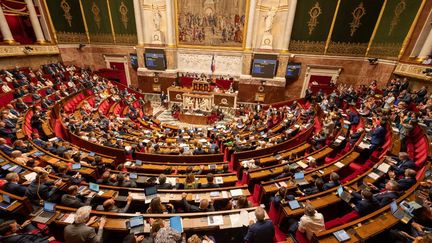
135,224
294,204
46,214
38,154
94,187
133,176
76,166
122,195
299,178
6,167
343,194
6,202
399,213
138,162
150,193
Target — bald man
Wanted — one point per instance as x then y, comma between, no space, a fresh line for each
261,231
204,206
109,206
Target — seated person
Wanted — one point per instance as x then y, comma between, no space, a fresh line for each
282,196
5,147
287,172
156,207
165,234
19,157
124,181
334,181
162,183
204,206
242,202
109,206
391,192
317,187
41,189
190,182
408,181
311,222
63,174
12,186
224,170
106,179
21,146
80,230
12,232
400,164
210,183
71,199
364,202
261,231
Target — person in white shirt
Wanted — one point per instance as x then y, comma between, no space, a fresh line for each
311,222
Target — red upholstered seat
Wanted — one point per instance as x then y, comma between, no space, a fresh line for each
349,217
300,237
333,223
256,193
273,213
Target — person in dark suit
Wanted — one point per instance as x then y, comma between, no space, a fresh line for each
408,181
39,142
12,185
210,183
12,232
377,136
7,132
41,189
80,231
204,206
162,183
334,181
391,192
400,164
123,182
353,117
72,200
364,202
261,231
109,206
4,147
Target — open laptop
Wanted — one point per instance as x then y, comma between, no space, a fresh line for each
343,194
91,154
76,166
294,204
94,187
135,224
150,193
122,195
399,213
46,214
138,162
133,176
6,202
299,178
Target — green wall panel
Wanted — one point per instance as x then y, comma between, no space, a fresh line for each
354,26
312,24
98,21
67,20
123,16
394,27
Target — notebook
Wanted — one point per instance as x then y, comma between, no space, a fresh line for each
138,162
399,213
343,194
294,204
6,202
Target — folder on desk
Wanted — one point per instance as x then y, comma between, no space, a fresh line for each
176,223
236,192
341,235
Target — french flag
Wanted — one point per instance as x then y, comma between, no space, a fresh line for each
213,64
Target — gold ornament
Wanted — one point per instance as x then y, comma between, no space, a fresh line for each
96,11
357,14
66,9
314,12
123,12
400,8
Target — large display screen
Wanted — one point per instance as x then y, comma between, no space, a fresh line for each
155,59
293,70
264,66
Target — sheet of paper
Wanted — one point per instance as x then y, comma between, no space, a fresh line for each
30,176
100,193
283,183
137,195
301,164
215,220
373,175
171,180
235,220
251,216
244,218
224,194
339,164
69,219
384,167
236,192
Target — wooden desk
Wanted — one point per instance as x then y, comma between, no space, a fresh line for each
193,119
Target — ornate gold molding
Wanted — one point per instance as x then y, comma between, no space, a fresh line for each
314,13
347,48
357,14
101,38
400,8
126,39
412,70
385,50
123,14
332,27
96,14
71,37
7,51
309,47
66,9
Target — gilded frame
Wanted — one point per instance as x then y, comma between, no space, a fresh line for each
236,48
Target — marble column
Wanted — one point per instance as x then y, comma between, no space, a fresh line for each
290,23
170,29
138,22
427,47
40,38
250,24
5,30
